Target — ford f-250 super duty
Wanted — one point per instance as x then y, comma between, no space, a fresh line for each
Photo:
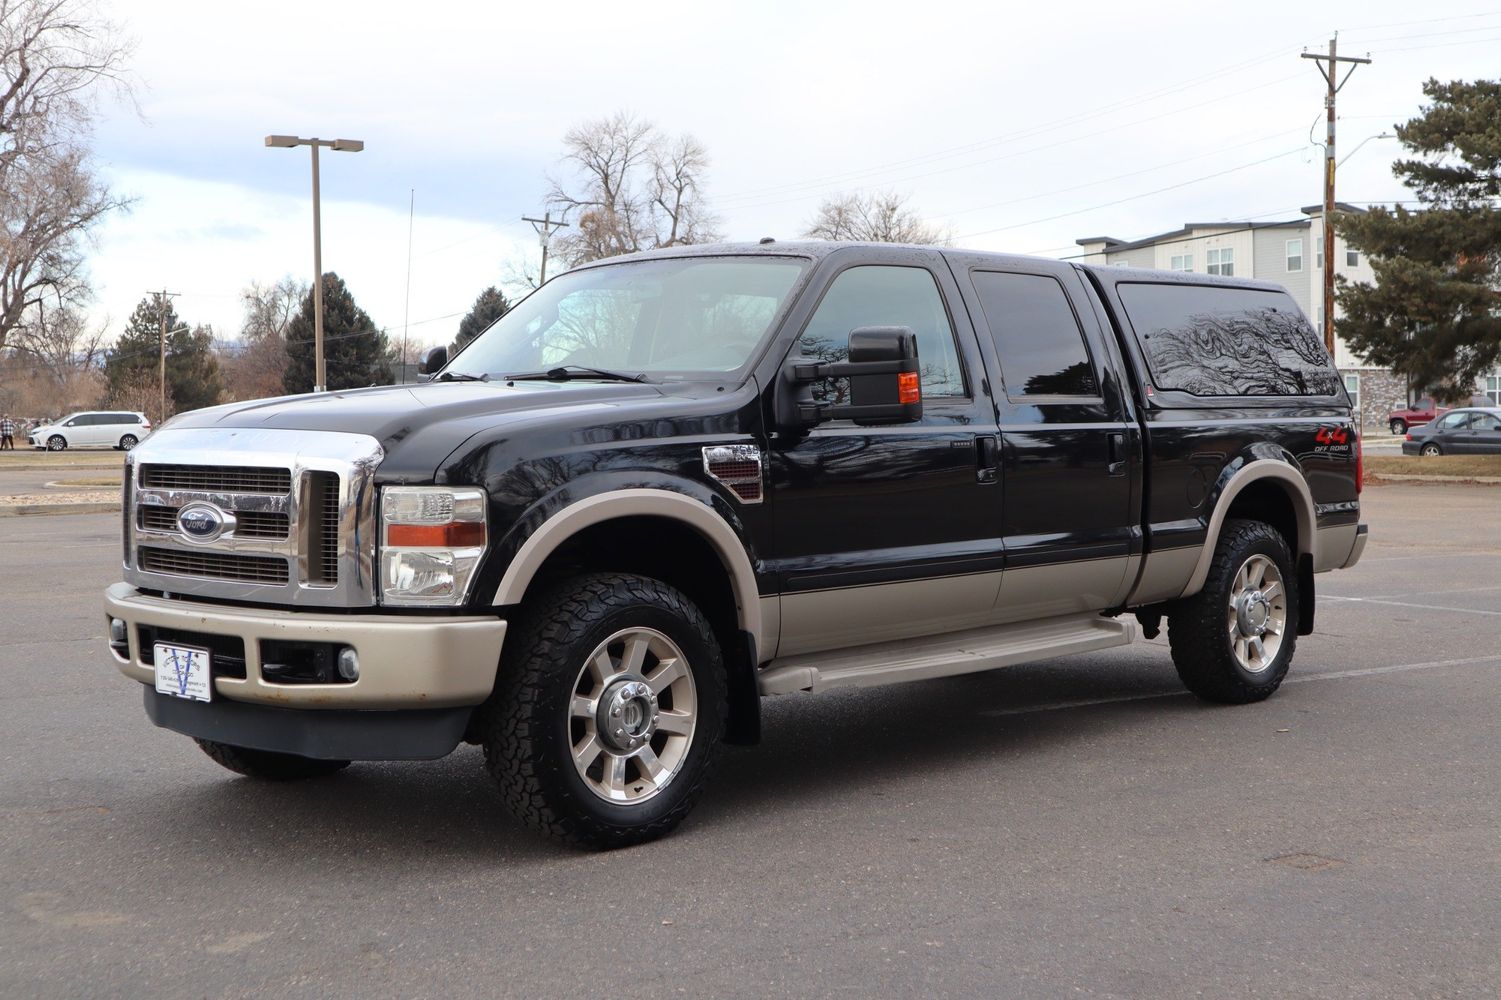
666,485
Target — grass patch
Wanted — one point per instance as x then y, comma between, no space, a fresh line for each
92,481
31,458
1459,466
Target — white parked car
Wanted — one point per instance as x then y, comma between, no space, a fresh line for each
92,429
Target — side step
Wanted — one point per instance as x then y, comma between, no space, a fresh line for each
943,655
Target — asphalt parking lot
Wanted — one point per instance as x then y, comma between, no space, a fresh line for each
1078,827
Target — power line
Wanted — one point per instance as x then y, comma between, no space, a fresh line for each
1134,197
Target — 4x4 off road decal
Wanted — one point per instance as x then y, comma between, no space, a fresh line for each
1332,440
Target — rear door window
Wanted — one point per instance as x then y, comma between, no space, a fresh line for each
1209,340
1037,335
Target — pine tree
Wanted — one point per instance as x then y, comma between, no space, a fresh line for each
1435,309
488,307
193,378
355,352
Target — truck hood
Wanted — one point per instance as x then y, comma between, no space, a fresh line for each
420,425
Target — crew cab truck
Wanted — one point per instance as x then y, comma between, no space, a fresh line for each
666,485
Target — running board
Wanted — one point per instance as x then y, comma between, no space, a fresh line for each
943,655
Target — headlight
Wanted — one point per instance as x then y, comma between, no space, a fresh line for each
432,538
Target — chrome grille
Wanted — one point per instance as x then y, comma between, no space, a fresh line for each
216,478
214,565
322,511
249,523
298,525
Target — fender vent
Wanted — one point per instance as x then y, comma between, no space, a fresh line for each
738,467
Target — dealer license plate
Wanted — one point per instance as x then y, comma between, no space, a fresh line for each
182,671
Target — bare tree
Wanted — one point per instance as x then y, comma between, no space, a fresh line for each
256,366
879,217
634,189
60,345
55,57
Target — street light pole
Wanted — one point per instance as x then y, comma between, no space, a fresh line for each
320,379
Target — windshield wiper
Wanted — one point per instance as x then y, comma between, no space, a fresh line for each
564,373
461,377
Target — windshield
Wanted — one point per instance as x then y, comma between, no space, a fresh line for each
675,317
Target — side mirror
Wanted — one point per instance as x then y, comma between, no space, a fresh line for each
434,359
885,386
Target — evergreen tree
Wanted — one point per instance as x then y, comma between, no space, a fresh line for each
193,378
487,308
355,352
1435,309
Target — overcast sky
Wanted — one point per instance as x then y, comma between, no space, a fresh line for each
1020,127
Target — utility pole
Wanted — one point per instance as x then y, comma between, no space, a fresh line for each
161,311
544,227
1332,78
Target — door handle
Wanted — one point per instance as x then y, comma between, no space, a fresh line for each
987,458
1117,466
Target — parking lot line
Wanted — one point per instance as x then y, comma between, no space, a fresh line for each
1409,604
1331,675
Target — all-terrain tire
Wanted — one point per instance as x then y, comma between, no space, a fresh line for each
267,765
1200,627
528,726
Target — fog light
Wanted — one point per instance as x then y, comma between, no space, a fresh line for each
349,664
119,638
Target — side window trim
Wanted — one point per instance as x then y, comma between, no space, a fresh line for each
1028,399
929,402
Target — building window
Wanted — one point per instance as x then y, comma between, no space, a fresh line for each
1352,386
1295,255
1182,262
1352,258
1493,389
1221,262
1318,256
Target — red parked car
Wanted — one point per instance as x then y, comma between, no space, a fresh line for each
1421,412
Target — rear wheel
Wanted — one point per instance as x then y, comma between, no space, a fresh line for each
608,711
1430,449
1233,641
127,442
267,765
1399,427
56,443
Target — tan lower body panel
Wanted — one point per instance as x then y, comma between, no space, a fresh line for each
943,655
834,619
1037,592
405,662
1334,546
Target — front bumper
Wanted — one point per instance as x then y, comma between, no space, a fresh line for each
406,662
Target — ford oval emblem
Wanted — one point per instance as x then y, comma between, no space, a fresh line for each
203,522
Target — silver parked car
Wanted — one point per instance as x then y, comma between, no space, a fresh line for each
92,429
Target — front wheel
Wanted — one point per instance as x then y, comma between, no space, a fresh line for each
56,443
1233,641
1399,427
1430,449
608,711
268,765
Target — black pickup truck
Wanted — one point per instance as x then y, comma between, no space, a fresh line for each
666,485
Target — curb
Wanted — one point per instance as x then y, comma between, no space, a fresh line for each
1395,477
44,509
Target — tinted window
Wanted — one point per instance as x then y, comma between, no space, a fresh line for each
888,296
1212,341
1453,421
1485,422
1036,334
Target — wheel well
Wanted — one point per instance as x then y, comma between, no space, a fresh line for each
1267,502
673,552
